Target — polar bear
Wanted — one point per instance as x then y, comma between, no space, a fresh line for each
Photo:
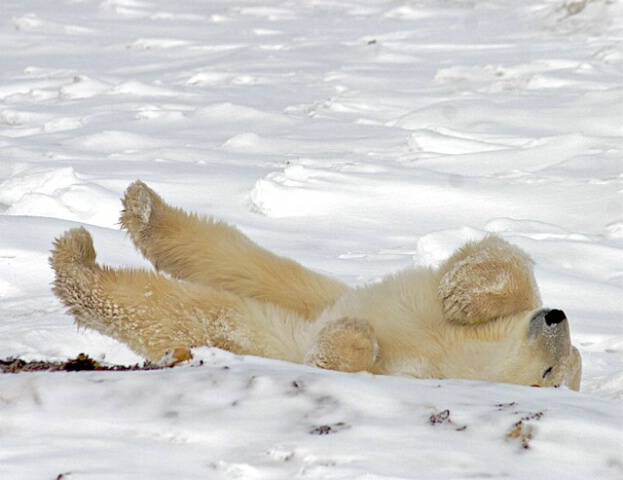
478,316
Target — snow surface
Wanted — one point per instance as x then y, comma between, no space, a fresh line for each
359,137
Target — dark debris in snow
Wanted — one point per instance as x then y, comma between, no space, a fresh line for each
79,364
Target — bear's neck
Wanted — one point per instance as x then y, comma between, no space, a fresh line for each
479,352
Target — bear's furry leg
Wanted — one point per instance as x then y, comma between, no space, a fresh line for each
486,280
346,345
152,314
212,253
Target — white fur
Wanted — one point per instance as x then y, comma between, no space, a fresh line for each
477,316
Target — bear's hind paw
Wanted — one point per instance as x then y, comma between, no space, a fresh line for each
75,246
139,202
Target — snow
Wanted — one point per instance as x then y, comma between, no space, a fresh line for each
359,137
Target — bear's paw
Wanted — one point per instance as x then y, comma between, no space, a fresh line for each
486,280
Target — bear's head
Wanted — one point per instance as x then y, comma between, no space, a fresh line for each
488,288
528,348
544,356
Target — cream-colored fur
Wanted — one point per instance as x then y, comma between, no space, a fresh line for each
478,316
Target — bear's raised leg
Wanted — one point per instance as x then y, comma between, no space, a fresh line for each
346,345
486,280
152,314
212,253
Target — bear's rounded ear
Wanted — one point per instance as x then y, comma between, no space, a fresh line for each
486,280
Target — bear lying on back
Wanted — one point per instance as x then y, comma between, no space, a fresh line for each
478,316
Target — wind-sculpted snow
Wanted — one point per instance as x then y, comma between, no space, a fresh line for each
359,137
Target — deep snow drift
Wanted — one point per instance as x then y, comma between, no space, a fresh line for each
359,137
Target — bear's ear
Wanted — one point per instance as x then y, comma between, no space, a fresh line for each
486,280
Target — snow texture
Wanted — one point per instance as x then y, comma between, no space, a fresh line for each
359,137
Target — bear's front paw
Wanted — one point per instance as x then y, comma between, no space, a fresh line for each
346,345
486,280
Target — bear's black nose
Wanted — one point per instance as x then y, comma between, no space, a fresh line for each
554,316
